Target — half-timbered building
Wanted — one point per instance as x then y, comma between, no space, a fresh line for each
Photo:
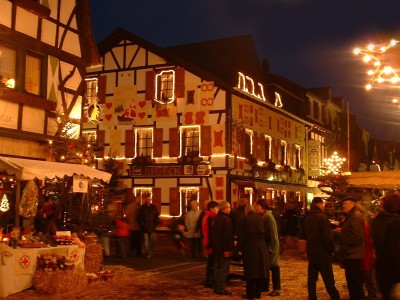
45,48
193,122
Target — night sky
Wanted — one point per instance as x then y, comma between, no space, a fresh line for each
307,41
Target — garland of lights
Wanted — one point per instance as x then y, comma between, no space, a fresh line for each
375,55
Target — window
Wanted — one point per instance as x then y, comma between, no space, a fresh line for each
283,153
297,156
89,136
248,140
267,147
142,192
190,137
316,111
21,70
165,86
144,142
92,108
32,74
7,67
188,195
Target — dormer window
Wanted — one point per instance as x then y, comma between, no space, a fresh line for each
165,86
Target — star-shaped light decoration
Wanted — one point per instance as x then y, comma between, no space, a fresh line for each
334,164
377,56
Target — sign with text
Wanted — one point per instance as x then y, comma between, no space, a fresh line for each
170,170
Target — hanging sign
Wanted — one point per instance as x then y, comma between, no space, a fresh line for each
80,184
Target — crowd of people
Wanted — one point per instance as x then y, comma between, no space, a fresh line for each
368,248
368,251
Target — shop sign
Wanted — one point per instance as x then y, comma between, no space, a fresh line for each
170,170
80,184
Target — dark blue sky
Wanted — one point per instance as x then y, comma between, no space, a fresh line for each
308,41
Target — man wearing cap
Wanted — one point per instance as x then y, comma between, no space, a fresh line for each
352,247
320,250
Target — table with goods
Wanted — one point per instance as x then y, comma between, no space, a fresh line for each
49,265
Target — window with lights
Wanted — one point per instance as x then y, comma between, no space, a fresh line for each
21,70
144,142
165,86
190,137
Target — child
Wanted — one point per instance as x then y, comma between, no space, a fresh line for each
180,240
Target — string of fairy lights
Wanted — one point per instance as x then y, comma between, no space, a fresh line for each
379,57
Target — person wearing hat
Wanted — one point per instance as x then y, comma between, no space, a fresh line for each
320,250
352,247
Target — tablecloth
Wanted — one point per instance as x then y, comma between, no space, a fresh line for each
16,275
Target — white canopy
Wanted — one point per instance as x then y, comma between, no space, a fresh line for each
379,180
27,169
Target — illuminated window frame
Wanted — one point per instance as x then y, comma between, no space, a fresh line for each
249,191
89,135
142,138
283,151
165,83
140,191
186,195
249,133
297,156
184,146
269,139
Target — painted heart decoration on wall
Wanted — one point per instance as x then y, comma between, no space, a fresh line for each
109,105
108,117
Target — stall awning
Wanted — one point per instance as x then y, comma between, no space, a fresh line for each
379,180
28,169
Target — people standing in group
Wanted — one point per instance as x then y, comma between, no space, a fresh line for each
193,232
222,241
320,250
251,233
211,212
238,213
131,213
272,241
352,247
385,230
148,219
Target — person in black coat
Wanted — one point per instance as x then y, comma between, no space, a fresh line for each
251,241
222,241
148,219
320,250
385,230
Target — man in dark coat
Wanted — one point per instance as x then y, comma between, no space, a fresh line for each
251,240
148,219
320,250
222,241
385,230
352,247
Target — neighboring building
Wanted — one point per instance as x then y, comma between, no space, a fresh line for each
45,48
194,122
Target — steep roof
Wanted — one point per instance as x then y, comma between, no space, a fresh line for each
223,57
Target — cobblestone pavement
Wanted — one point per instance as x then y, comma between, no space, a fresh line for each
183,279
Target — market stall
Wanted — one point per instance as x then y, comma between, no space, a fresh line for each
379,180
19,265
19,262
